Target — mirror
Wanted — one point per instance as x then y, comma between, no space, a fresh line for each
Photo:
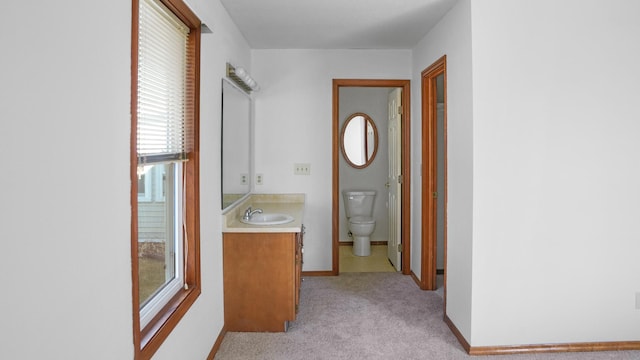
236,145
359,140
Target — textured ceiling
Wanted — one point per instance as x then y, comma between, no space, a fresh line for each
335,24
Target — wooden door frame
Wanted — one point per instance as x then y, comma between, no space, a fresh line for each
405,231
429,174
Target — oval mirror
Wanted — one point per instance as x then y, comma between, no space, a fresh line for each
359,140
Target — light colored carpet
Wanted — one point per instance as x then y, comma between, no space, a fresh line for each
370,316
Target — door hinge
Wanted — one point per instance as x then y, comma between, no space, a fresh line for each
399,247
435,195
400,109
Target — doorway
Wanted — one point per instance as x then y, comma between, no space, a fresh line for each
434,176
404,224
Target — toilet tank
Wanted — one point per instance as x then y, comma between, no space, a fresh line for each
358,202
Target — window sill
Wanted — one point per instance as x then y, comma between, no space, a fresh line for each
154,334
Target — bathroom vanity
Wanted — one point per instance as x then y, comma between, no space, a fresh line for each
262,265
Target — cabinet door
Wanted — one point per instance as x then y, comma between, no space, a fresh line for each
259,281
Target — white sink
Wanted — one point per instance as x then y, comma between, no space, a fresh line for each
268,219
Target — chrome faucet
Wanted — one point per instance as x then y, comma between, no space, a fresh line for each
249,213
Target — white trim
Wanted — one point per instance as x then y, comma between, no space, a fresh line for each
160,299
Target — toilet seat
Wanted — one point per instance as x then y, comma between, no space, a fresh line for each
362,220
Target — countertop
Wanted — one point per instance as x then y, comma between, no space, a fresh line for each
292,204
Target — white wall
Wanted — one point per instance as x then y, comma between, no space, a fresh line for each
64,133
373,102
451,37
66,264
294,125
556,154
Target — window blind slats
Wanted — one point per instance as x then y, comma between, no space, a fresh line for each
163,127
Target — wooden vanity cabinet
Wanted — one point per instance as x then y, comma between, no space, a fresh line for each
262,276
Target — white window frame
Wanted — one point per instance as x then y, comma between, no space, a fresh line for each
160,299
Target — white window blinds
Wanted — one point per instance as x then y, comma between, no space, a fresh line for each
163,126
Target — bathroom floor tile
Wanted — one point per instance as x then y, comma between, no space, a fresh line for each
376,262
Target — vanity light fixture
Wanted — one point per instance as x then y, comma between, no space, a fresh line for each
242,78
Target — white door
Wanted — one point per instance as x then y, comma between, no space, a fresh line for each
394,180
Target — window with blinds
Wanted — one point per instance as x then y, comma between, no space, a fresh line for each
161,146
164,125
165,168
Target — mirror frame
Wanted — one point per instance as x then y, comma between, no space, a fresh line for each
369,120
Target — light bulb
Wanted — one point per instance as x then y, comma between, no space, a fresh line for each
240,72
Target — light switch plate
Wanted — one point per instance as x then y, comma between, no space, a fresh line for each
301,169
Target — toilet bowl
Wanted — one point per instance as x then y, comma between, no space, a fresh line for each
359,211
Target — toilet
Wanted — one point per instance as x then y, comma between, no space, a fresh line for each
358,206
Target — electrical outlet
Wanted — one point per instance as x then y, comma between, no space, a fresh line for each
302,169
244,179
259,179
638,300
